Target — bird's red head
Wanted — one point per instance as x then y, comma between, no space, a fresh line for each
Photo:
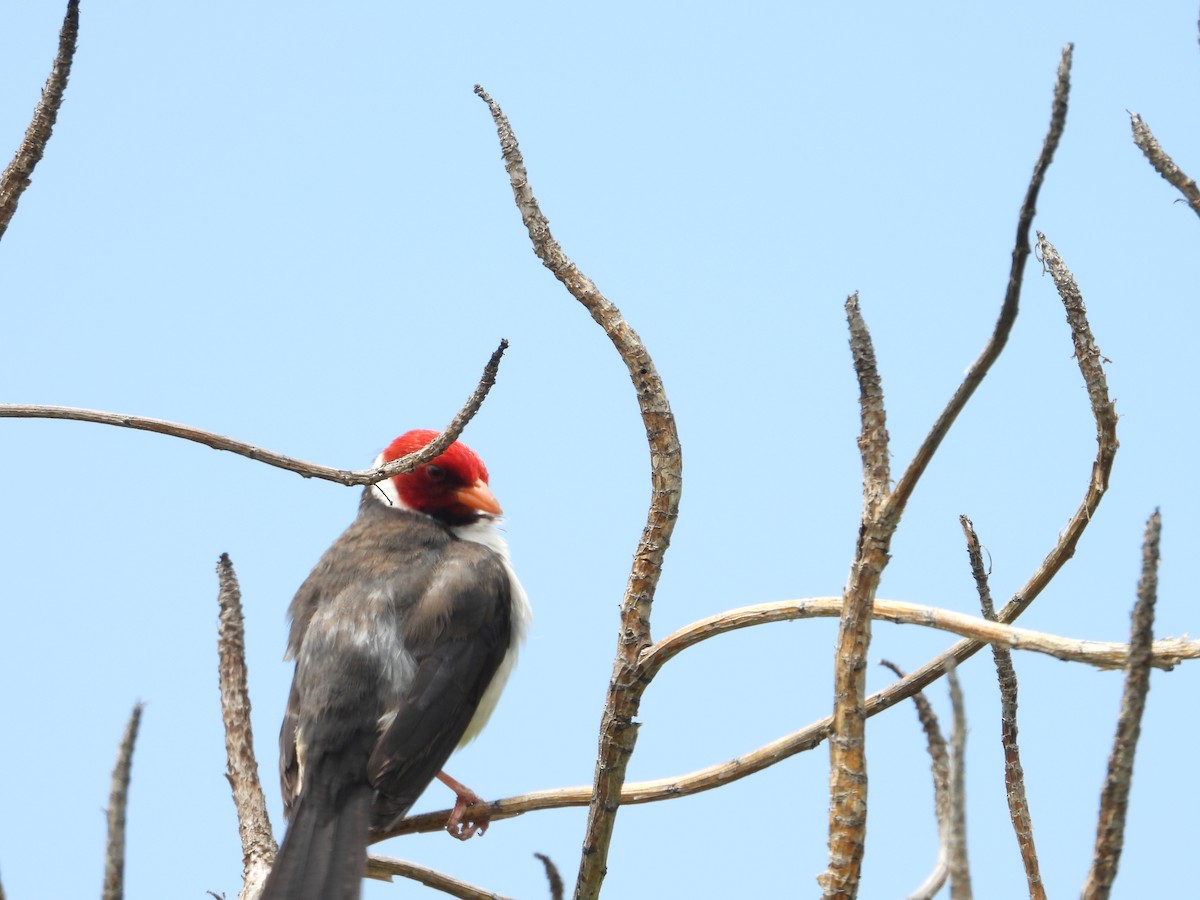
452,487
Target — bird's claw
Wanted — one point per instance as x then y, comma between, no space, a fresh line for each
459,825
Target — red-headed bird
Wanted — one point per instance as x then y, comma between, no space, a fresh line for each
403,637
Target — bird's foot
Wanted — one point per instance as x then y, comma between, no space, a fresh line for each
459,825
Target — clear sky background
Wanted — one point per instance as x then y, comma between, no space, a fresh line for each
289,223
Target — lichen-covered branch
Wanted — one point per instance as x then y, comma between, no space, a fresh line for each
847,741
1014,774
114,851
1163,164
618,732
1114,798
254,823
19,173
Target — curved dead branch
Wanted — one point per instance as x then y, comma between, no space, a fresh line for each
347,477
254,823
19,172
383,868
618,733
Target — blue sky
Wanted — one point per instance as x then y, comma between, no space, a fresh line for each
289,223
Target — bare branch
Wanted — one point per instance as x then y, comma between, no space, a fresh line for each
618,733
114,853
1168,652
1014,774
940,757
300,467
254,823
1064,548
1114,798
384,867
847,742
1163,164
1008,310
552,876
19,172
956,859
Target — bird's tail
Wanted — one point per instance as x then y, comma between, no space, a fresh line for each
324,852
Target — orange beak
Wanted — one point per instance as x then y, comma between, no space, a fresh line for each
478,497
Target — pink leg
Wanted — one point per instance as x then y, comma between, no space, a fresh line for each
458,825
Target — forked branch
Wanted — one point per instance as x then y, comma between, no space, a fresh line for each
349,477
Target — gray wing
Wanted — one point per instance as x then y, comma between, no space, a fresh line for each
456,632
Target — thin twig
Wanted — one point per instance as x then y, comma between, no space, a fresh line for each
553,878
254,823
19,173
114,854
347,477
1008,310
383,868
847,742
1163,164
956,857
1014,774
940,764
1114,798
618,732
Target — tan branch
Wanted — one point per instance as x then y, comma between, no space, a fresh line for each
1163,164
383,868
618,732
940,764
347,477
114,853
1114,798
19,173
1014,774
847,742
254,823
1105,417
1166,654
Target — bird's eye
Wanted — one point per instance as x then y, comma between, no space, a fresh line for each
435,473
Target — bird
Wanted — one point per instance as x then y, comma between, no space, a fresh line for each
403,637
